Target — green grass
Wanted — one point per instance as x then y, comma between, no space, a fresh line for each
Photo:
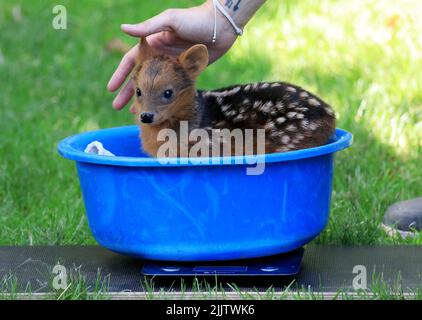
53,85
77,289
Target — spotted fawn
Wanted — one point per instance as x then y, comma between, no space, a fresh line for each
165,95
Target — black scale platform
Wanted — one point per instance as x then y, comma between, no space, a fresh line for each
323,268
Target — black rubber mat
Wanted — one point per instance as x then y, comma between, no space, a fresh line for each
323,269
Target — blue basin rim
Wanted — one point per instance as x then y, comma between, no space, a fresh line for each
341,140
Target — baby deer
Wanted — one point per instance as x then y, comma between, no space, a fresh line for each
165,96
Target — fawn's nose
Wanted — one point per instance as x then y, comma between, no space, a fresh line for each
147,117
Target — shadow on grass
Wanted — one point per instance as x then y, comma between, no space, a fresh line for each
370,176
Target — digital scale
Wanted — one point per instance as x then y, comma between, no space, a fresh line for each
324,268
286,264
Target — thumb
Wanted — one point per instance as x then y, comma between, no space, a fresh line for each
162,22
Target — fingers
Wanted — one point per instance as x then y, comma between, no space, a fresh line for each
162,22
124,96
124,68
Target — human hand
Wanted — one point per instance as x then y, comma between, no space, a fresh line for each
172,32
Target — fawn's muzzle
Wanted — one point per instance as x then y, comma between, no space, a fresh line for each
147,117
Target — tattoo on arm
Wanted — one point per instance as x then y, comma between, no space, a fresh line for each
241,11
229,4
237,5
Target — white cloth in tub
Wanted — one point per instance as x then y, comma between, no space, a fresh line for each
96,147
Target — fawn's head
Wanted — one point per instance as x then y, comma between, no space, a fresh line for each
164,86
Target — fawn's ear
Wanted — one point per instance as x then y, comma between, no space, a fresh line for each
145,51
194,60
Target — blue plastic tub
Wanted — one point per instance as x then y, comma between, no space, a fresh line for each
197,212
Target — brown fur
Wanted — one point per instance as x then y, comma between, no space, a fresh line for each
292,117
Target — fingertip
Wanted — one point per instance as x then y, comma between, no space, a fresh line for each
134,30
129,29
116,105
109,87
115,82
112,86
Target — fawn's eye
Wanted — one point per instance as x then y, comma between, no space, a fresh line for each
168,94
138,92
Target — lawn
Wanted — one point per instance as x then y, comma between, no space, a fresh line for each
363,57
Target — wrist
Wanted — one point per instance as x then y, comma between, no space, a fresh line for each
234,9
223,25
224,29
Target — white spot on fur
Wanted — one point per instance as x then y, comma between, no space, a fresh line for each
291,89
280,120
269,126
314,102
275,134
266,107
304,124
329,111
313,126
225,107
279,106
285,139
225,92
234,90
276,84
304,94
238,118
264,85
291,128
291,115
257,104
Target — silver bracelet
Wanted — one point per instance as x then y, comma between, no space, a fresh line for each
217,5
